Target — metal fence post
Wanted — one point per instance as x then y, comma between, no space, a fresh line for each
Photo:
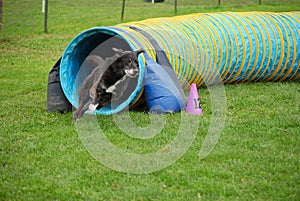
219,3
1,5
123,10
175,7
259,2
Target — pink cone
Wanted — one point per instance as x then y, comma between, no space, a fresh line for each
193,103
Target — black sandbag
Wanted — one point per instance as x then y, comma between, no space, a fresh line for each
56,99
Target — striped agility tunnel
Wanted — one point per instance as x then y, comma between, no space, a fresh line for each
206,49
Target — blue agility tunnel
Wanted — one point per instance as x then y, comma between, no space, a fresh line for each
206,49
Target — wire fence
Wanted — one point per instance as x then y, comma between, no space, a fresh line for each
31,15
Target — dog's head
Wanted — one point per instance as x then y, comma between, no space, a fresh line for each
127,62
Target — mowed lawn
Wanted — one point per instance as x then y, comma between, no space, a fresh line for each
43,158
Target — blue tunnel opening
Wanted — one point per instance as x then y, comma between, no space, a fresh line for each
97,41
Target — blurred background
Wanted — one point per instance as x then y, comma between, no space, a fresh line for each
29,16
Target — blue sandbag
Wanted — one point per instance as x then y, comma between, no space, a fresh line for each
163,90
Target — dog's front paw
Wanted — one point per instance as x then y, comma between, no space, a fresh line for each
92,108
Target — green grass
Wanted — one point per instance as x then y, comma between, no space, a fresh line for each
42,157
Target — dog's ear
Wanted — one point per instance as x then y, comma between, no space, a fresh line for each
139,51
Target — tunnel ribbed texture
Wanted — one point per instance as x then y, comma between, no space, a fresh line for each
206,49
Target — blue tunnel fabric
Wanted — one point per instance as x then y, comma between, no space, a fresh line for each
205,48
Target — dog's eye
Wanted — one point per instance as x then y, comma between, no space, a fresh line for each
129,61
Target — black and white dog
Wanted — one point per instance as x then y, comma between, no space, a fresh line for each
97,89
